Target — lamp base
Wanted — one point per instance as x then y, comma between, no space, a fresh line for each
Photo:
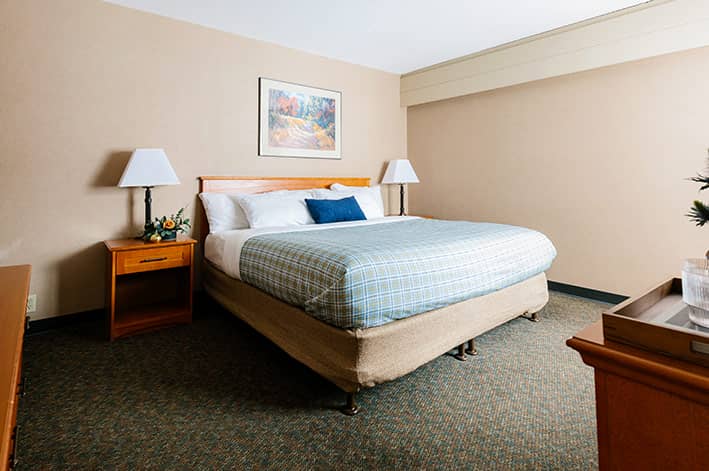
402,210
148,202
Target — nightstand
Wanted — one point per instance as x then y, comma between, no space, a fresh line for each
149,285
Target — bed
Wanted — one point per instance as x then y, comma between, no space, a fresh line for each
368,342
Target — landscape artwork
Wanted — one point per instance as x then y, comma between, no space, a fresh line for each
298,121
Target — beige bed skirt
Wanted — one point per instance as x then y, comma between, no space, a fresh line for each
358,358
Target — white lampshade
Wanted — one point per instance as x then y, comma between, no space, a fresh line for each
400,171
148,167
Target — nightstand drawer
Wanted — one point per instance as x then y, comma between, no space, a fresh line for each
135,261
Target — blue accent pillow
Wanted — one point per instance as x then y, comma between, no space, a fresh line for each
345,209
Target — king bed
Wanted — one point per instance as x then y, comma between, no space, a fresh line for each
366,302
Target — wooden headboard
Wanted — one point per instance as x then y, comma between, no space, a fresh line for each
217,184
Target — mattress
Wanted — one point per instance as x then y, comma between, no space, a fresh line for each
223,249
357,276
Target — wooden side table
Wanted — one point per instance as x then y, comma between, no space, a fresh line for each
652,411
149,285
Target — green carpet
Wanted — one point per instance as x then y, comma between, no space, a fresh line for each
216,395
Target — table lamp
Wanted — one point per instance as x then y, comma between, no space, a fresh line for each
400,172
148,168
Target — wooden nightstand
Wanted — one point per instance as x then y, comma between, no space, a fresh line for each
149,285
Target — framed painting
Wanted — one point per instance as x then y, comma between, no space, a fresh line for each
299,121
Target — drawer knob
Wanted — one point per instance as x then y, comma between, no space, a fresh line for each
156,259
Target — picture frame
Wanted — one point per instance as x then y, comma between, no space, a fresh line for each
299,121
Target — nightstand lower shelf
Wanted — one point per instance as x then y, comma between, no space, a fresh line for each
150,317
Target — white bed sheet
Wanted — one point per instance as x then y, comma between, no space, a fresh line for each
223,249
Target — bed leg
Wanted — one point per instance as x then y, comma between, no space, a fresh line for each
533,317
350,408
461,353
471,348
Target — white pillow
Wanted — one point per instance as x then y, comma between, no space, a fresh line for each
369,198
223,212
281,208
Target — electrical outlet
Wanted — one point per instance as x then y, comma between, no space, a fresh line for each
32,303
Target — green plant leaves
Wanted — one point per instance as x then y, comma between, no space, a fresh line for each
699,213
701,179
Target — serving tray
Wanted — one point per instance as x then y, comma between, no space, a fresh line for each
658,321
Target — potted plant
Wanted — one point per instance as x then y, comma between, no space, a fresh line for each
695,272
167,227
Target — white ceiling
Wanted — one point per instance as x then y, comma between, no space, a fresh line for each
393,35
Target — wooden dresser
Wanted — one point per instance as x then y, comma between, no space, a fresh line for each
652,411
14,287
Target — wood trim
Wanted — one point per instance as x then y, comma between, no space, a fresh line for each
252,185
536,37
651,29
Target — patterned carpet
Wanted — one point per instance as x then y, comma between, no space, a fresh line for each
216,395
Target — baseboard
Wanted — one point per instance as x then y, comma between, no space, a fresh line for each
588,293
50,323
200,300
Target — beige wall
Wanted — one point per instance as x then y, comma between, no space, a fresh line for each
83,82
596,160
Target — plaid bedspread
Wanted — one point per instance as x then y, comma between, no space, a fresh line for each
365,276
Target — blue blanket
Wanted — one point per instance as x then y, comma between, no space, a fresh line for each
365,276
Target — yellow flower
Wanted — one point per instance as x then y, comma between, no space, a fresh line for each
155,237
169,224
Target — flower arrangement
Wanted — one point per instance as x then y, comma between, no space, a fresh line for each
167,227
